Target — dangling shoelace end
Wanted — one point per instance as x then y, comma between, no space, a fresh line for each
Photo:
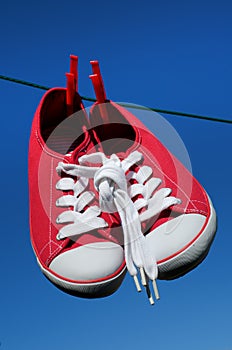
137,284
145,282
156,291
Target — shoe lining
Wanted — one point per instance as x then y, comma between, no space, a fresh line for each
62,134
115,136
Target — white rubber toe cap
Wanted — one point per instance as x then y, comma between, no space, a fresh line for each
182,243
173,236
89,262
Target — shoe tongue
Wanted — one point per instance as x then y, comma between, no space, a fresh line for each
72,157
68,158
85,146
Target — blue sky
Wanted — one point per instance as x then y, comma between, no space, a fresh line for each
167,54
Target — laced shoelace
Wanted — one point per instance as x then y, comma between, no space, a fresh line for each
116,194
76,222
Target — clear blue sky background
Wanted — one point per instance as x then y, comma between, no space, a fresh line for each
168,54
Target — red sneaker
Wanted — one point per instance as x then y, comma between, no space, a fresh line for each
167,218
70,237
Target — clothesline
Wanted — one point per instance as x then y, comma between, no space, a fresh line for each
163,111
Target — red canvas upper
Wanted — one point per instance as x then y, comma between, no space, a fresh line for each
123,133
53,135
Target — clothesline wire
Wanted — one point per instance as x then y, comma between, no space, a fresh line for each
85,98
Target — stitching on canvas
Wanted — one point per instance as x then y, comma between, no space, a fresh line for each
200,202
45,246
57,249
44,149
198,211
50,209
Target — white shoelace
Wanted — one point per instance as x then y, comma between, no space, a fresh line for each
76,222
111,180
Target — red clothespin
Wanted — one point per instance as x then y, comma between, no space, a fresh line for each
100,92
73,69
97,81
71,84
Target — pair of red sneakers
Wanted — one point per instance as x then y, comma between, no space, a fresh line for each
106,196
